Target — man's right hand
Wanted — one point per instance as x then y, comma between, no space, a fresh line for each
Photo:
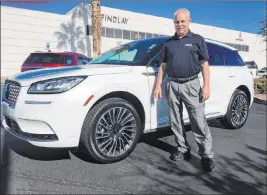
157,93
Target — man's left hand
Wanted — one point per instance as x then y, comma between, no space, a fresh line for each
205,93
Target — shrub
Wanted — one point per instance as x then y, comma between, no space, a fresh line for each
260,85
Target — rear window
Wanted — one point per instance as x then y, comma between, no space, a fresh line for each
48,58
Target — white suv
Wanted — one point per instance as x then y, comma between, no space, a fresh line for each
108,103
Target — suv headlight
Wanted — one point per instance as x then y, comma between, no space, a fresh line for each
58,85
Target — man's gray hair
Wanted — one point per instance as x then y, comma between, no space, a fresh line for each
182,10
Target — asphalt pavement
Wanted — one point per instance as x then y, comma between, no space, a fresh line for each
240,157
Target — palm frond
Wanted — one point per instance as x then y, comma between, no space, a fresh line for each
61,36
62,45
78,32
81,46
81,11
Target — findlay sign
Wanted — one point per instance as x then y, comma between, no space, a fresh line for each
114,19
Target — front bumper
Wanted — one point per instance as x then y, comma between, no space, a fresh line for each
46,120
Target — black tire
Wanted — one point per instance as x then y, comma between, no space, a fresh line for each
264,76
89,129
228,120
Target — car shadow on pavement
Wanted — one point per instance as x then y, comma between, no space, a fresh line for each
30,151
216,124
238,174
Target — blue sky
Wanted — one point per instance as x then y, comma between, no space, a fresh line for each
237,15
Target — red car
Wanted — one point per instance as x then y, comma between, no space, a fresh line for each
39,60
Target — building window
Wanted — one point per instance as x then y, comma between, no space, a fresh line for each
134,35
103,31
142,35
126,34
239,47
110,32
148,35
118,33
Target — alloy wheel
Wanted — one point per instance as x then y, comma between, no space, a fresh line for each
239,110
115,131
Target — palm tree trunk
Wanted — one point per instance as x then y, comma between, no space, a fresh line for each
96,27
87,37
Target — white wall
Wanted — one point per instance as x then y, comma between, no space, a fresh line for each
257,48
24,31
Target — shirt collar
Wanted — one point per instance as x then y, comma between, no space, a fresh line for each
188,34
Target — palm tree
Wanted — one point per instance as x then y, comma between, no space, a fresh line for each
96,27
263,28
70,35
83,12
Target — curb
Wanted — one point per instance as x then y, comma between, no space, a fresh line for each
259,101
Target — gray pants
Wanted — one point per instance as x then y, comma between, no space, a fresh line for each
189,93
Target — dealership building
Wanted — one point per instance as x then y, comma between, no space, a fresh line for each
25,31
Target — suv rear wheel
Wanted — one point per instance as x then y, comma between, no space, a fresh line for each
237,112
111,130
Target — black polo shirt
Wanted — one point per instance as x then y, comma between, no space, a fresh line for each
184,56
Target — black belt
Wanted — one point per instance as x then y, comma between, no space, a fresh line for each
183,80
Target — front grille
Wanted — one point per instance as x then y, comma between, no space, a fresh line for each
15,129
11,92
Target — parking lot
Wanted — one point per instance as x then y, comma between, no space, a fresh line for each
240,157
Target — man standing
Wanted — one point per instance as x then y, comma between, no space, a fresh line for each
185,55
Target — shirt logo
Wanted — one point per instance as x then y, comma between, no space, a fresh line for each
188,45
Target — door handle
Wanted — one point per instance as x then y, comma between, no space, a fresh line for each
232,75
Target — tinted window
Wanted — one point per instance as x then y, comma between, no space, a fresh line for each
69,60
86,60
232,58
83,60
134,53
46,58
215,54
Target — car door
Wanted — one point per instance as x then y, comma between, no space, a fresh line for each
236,69
159,109
219,76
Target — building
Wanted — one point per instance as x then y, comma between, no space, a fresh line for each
24,31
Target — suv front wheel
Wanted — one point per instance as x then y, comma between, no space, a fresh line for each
237,111
111,130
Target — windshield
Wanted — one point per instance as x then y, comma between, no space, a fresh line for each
137,53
